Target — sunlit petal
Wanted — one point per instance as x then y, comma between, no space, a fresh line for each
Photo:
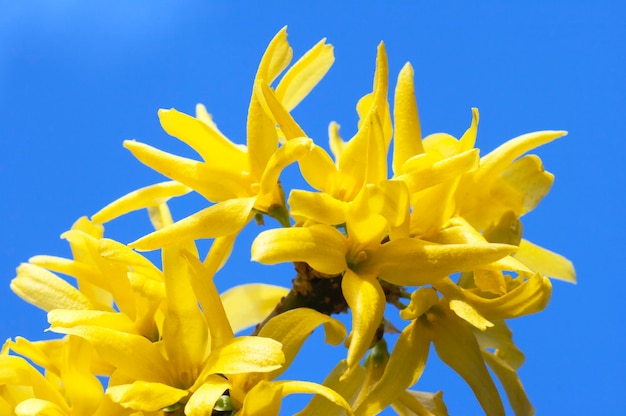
293,327
300,79
545,261
366,299
511,384
321,246
221,219
249,304
216,150
407,134
317,206
46,290
405,366
214,184
245,355
141,395
202,402
148,196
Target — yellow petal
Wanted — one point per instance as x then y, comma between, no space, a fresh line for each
501,157
83,272
46,290
144,396
529,297
249,304
293,327
286,155
121,253
419,176
317,206
264,399
500,338
405,366
511,384
300,79
82,387
468,140
262,136
221,219
38,407
133,355
347,387
274,108
148,196
17,371
185,331
412,262
545,261
214,184
318,169
408,134
202,401
276,57
201,278
335,141
428,404
366,299
465,311
456,346
216,150
68,318
245,355
321,246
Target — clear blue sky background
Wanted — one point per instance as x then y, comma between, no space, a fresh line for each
77,78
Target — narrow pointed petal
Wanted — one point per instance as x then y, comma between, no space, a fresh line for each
512,385
121,253
245,355
185,332
321,246
405,366
203,400
366,299
430,404
347,387
82,387
300,79
68,318
201,278
144,396
221,219
213,184
318,169
468,140
529,297
419,176
249,304
278,112
498,159
81,271
293,327
283,157
133,355
276,57
265,398
262,136
408,133
412,262
317,206
46,290
215,149
148,196
335,142
456,346
545,261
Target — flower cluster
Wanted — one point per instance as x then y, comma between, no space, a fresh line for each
437,235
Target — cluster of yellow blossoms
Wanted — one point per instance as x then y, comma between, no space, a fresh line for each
439,238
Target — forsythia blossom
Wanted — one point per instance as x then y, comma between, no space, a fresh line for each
437,235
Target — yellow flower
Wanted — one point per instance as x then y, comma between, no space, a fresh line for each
68,388
242,180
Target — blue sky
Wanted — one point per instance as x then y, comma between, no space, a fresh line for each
77,78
